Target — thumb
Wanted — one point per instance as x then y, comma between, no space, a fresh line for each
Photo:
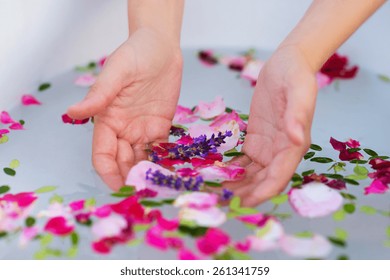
108,84
299,112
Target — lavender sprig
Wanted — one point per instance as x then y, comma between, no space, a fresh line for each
173,181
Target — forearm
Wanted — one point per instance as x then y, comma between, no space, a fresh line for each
326,25
163,16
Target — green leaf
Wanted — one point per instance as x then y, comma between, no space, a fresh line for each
134,242
40,255
46,189
321,160
341,234
308,172
46,240
348,196
121,194
368,210
4,189
356,177
151,203
279,199
353,150
140,227
296,177
309,155
168,201
388,231
44,86
56,199
72,252
333,176
351,181
349,208
370,152
235,203
22,122
282,216
30,221
337,241
90,202
127,189
9,171
4,139
3,234
193,231
304,234
315,147
14,164
233,154
360,170
228,110
53,252
213,184
384,78
74,237
343,257
358,161
339,215
246,211
244,117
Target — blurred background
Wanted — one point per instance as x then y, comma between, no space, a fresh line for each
40,39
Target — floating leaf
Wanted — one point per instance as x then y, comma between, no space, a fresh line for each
4,139
72,252
384,78
9,171
348,196
353,150
40,255
22,122
309,155
337,241
151,203
44,86
304,234
356,177
370,152
333,176
351,181
46,189
343,257
127,189
321,160
246,211
14,164
134,242
315,147
228,110
244,117
341,234
388,231
30,221
233,154
90,202
279,199
193,231
366,209
168,201
74,237
56,199
360,170
349,208
235,203
46,240
358,161
3,234
339,215
308,172
4,189
213,184
296,177
141,227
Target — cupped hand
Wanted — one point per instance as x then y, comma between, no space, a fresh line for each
278,133
133,101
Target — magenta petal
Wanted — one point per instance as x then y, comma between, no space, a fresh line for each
154,237
67,119
28,99
337,145
185,254
212,241
16,126
59,226
5,118
377,186
3,131
77,205
167,224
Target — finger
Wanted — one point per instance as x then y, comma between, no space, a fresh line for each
125,157
104,151
108,84
242,161
140,152
299,111
277,177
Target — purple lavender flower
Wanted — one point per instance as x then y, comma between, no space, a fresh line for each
177,131
226,194
174,181
201,146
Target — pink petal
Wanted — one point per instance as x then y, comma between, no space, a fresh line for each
185,254
154,237
233,116
184,115
59,226
77,205
252,70
23,199
254,219
315,200
168,224
5,118
102,61
197,200
243,246
222,172
137,178
323,80
27,235
213,241
314,247
211,109
209,217
109,227
16,126
102,211
3,131
197,130
28,99
353,143
85,80
377,186
67,119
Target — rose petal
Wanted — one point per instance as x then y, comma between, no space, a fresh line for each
314,247
209,110
28,99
